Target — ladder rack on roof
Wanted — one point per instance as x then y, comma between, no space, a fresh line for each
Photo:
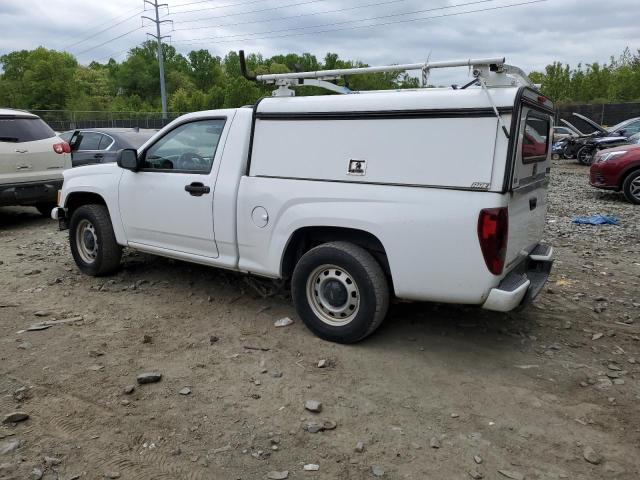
489,72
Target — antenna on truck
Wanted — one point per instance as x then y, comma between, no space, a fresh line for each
492,71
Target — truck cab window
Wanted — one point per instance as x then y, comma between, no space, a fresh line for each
191,147
535,137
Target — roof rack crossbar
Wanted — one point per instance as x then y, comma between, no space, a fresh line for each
493,68
324,74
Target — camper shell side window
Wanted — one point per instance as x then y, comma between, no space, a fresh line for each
535,137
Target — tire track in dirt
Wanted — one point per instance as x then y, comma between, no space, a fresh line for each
84,425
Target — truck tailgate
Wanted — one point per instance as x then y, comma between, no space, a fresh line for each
529,181
527,210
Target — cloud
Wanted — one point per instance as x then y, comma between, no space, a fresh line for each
530,36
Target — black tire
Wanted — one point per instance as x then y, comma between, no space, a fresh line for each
45,208
585,155
106,252
318,268
631,187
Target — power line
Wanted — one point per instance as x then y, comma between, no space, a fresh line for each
379,17
103,30
102,22
373,25
247,12
115,54
218,6
110,40
388,2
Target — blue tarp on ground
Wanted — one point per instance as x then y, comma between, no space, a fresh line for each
596,220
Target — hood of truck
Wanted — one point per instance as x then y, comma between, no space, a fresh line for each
91,170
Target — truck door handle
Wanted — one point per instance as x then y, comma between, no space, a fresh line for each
533,203
23,167
21,150
197,189
98,155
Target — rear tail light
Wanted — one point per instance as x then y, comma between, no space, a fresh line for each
493,232
62,147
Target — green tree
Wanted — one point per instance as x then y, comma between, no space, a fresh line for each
37,79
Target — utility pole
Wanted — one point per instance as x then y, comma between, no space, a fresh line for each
158,37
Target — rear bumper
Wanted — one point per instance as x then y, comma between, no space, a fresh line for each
30,192
523,283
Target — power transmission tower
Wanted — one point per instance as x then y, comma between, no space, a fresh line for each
158,37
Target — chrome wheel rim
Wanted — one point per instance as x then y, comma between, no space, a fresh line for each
333,295
87,241
634,188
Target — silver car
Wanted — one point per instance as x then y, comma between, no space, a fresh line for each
32,158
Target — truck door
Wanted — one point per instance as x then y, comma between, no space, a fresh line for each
168,203
529,182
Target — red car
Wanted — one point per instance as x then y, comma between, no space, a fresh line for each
618,169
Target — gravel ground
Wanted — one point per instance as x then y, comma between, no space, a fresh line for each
438,392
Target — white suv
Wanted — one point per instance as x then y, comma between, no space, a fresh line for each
32,158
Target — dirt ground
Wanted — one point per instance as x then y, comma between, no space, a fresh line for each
439,392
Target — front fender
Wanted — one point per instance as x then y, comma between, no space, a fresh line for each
100,180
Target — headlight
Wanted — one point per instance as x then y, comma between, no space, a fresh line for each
605,157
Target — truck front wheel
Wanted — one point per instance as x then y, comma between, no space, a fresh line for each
340,292
93,242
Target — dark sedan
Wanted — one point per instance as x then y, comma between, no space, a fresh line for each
100,145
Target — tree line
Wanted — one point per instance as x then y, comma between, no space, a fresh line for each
43,79
615,82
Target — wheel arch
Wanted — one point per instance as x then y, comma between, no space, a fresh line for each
77,198
626,172
305,238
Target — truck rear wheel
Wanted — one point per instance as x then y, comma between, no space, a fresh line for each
340,292
93,242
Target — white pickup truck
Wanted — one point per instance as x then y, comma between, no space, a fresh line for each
424,194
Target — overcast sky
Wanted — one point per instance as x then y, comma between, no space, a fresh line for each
530,36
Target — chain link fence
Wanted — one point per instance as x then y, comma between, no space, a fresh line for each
607,114
61,120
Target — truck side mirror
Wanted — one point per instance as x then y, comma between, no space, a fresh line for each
128,159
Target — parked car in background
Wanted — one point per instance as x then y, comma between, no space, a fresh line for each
560,133
634,139
584,146
32,158
618,169
625,129
100,145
